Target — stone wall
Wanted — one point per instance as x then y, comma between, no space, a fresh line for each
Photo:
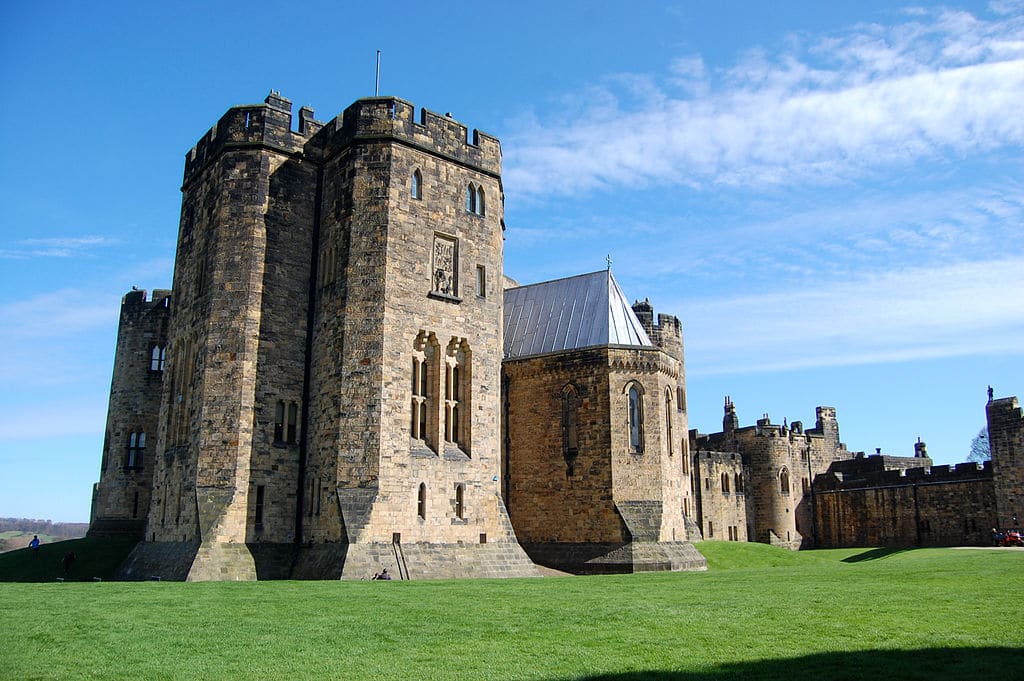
720,483
915,507
121,498
1006,441
581,497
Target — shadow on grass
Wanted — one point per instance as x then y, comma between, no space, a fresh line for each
94,558
929,664
874,554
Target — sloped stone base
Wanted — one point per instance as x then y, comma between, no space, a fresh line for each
413,561
604,558
163,560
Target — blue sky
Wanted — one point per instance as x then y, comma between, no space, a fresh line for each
829,195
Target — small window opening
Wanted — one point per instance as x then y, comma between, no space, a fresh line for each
459,501
260,491
416,185
421,502
481,281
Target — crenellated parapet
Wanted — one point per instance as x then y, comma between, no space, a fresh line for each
394,119
267,125
885,471
666,332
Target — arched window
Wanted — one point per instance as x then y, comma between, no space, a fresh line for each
474,199
636,420
725,483
416,185
668,420
685,460
421,501
570,429
784,481
739,483
423,418
457,382
460,508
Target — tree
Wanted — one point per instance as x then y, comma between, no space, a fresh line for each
980,451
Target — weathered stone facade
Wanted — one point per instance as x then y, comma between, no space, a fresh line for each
1006,441
121,498
775,464
315,267
847,499
329,390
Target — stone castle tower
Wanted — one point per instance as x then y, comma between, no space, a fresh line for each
323,276
595,429
121,498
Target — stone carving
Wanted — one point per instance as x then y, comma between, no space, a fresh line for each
444,266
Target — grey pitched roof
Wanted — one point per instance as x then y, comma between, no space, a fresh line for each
566,314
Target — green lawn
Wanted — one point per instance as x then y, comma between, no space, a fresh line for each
758,612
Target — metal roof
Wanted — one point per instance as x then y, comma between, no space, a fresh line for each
584,311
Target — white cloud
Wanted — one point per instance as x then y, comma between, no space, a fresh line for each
962,309
56,247
936,87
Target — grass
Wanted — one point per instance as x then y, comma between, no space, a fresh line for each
759,613
93,558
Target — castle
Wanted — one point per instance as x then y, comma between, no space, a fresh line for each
343,379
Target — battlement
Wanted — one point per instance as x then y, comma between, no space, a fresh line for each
889,471
374,118
268,124
667,333
138,300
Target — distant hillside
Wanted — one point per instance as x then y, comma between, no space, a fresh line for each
16,533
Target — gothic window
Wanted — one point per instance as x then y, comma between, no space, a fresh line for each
456,393
445,266
668,420
739,483
685,463
136,449
158,358
636,420
784,481
725,483
416,185
570,428
421,501
460,508
474,199
425,366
